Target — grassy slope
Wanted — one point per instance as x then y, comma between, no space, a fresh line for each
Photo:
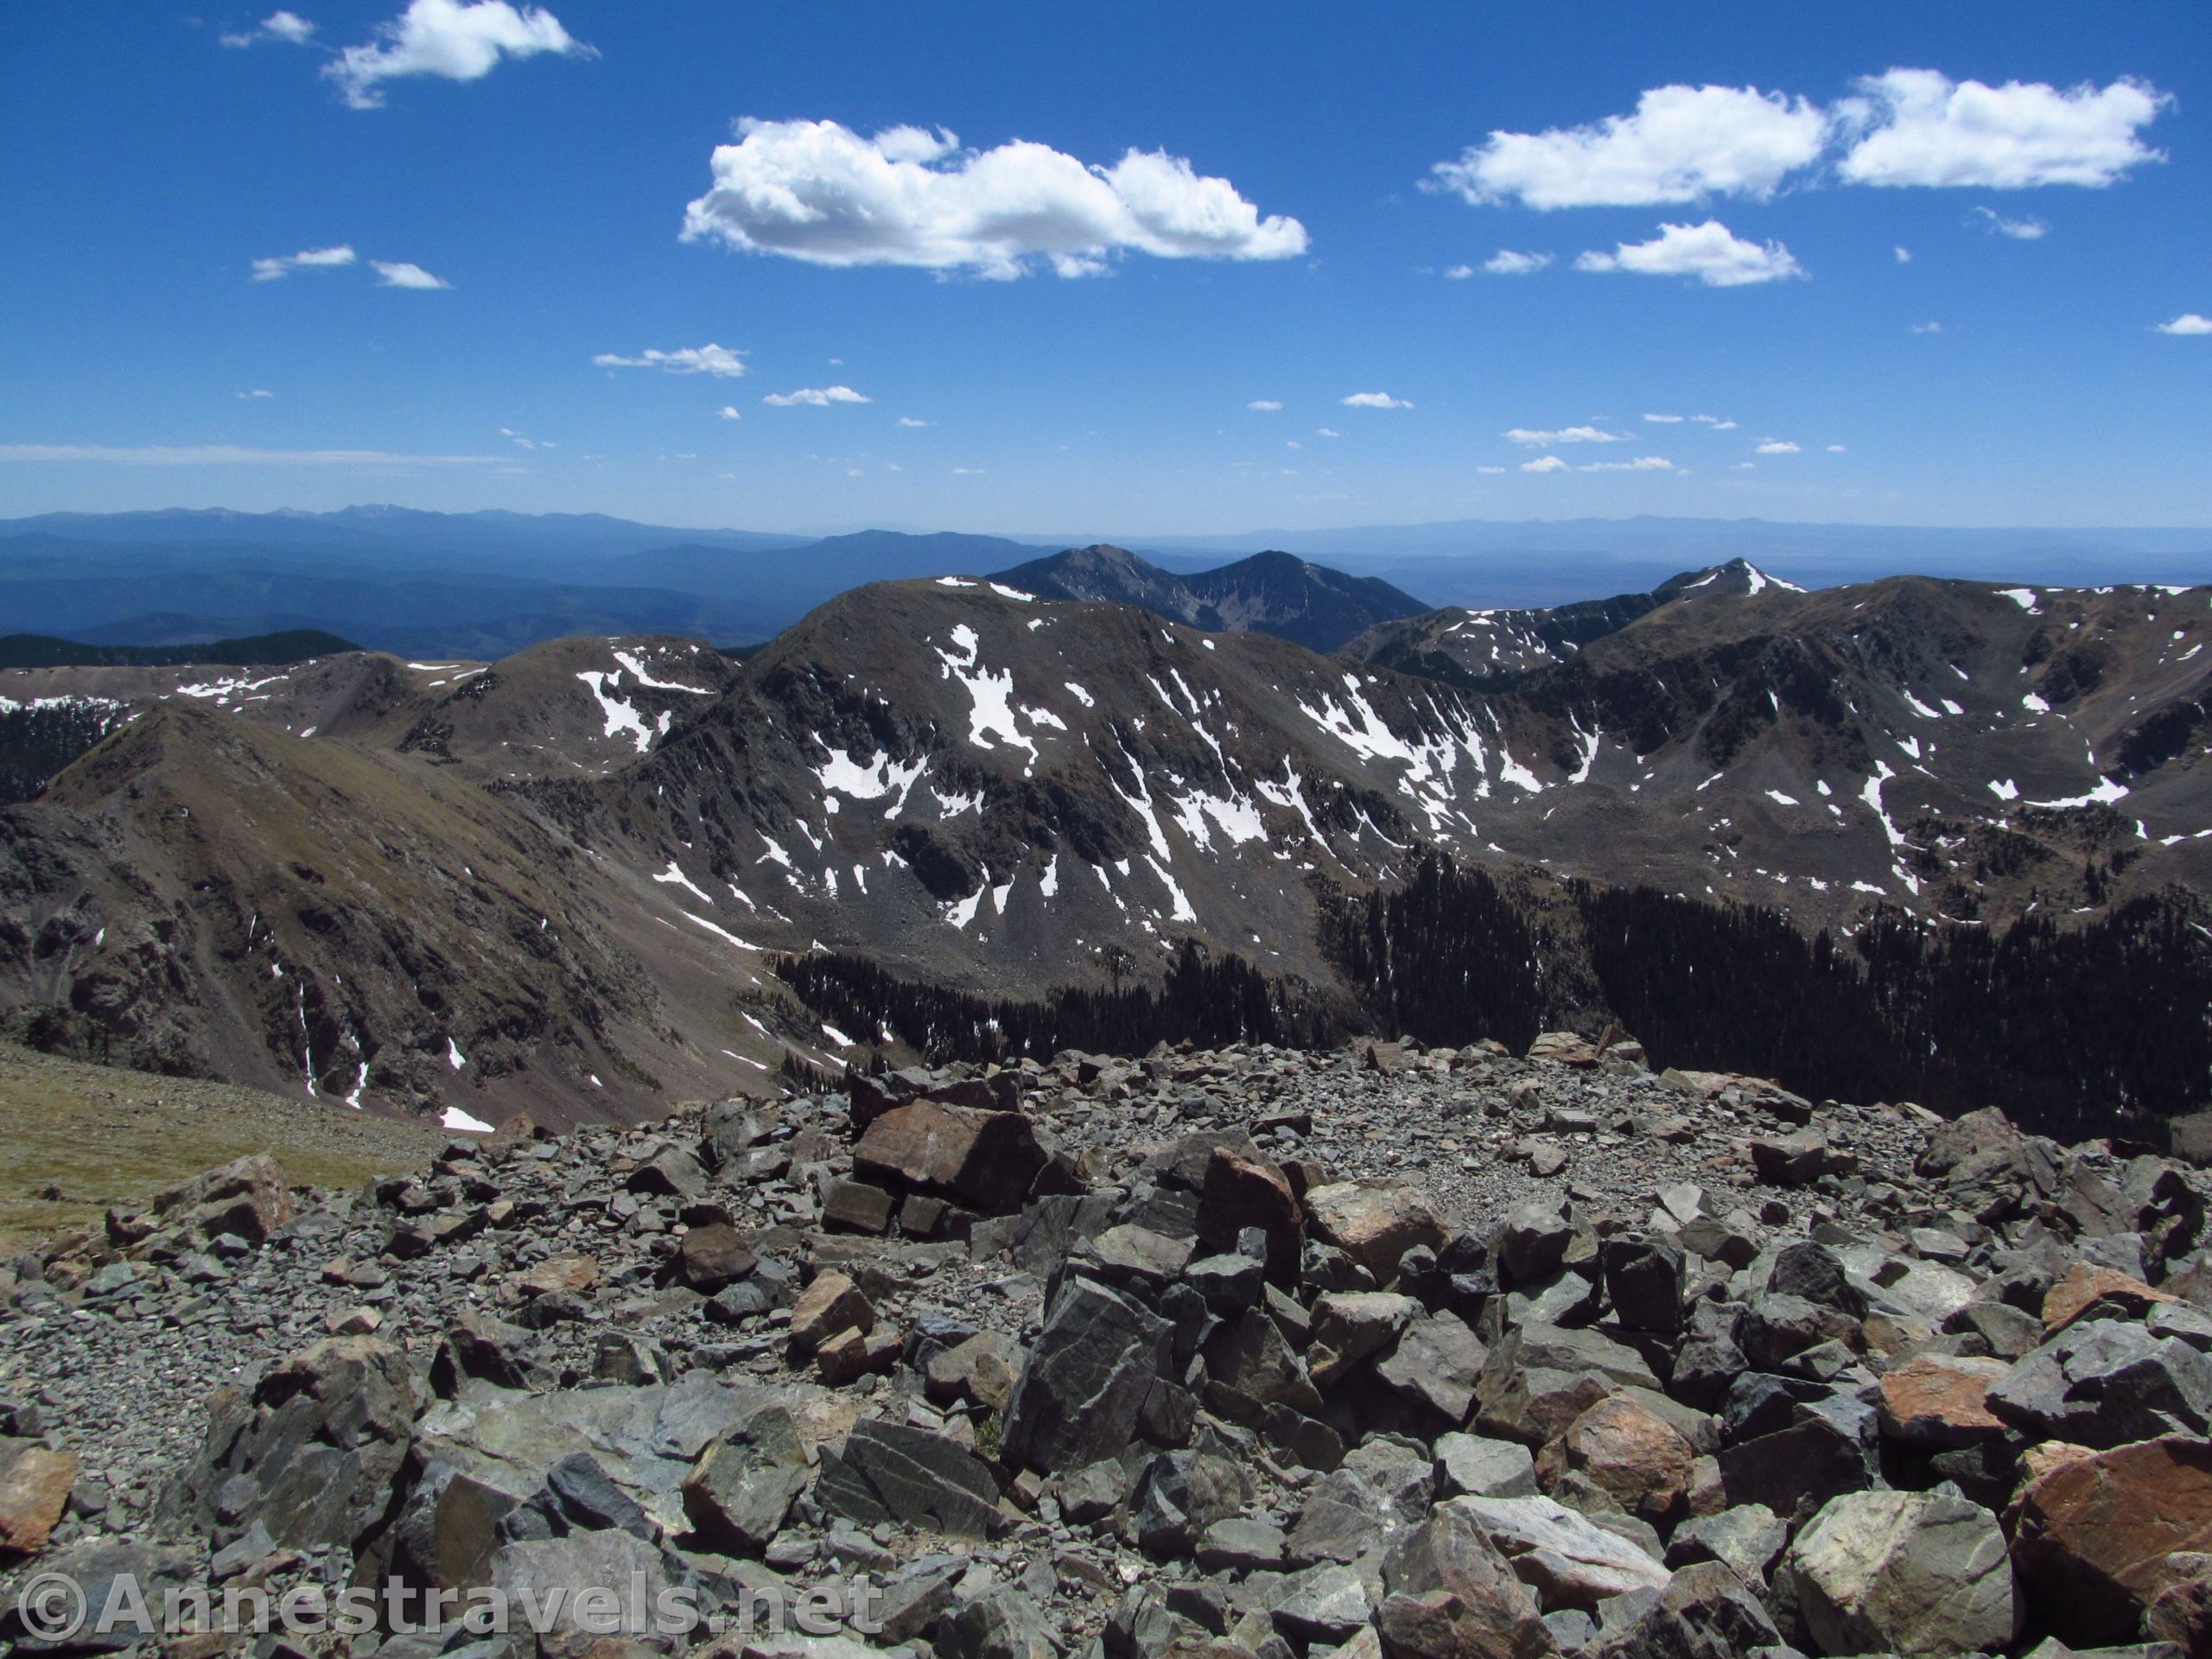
108,1137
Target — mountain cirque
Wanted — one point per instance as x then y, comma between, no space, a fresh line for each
595,843
1377,1351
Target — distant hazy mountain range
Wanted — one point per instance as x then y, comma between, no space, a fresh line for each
487,584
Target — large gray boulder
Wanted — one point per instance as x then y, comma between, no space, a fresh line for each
1084,1385
2105,1383
889,1472
1565,1557
1453,1595
1904,1573
738,1493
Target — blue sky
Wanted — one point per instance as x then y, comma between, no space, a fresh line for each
1055,338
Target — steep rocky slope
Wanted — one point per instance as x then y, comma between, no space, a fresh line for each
975,786
1241,1352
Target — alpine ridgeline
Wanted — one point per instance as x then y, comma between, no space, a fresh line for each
1945,839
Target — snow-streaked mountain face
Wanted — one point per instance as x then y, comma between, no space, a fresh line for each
571,865
987,786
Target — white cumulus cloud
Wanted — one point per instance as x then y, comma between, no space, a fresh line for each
1375,400
1506,262
2187,323
400,274
1683,143
1710,252
1776,446
1546,464
1543,439
2020,230
819,191
720,361
1665,420
815,397
727,412
1263,404
450,39
285,26
1641,464
1919,127
271,271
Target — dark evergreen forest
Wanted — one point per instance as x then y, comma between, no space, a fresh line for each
2079,1031
1209,1000
40,739
2076,1031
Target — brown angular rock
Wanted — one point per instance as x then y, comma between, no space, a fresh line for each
1241,1192
712,1256
246,1197
1939,1400
569,1273
1636,1457
35,1486
828,1305
2086,1286
986,1161
2099,1538
1453,1595
1374,1225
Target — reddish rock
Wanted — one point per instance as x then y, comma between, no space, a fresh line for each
2087,1288
1629,1451
1240,1192
2100,1538
832,1304
1563,1048
986,1161
1939,1400
246,1197
571,1272
35,1486
712,1256
1374,1225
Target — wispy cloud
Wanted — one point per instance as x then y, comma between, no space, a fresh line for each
288,26
727,412
1265,405
275,269
1776,446
1927,327
815,397
722,362
1506,262
1543,439
1665,420
2020,230
399,274
908,420
258,392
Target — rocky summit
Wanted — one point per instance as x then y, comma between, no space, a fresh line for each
1240,1353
